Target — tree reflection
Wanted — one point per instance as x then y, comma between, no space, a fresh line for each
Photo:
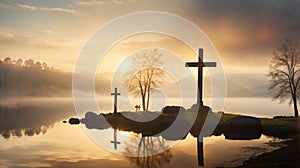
24,131
31,119
151,152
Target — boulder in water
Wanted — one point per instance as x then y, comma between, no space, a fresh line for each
74,121
242,128
278,131
95,121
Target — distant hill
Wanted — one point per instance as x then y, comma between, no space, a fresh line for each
16,80
25,81
237,85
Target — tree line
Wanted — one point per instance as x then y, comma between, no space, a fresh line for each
29,63
32,78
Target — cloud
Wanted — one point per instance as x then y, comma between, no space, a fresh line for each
6,35
26,7
46,31
42,39
246,33
19,6
101,2
58,10
33,8
250,23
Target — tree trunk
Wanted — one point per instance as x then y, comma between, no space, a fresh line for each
295,106
143,102
148,99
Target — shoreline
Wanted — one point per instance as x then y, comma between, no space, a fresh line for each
285,128
286,156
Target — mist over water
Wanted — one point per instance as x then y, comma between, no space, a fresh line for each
259,107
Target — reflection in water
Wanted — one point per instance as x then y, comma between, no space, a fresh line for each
144,151
25,131
115,141
147,144
144,148
30,119
200,151
68,146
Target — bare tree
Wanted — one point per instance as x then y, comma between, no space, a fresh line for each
151,152
147,75
285,73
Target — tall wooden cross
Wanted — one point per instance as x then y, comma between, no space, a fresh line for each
115,94
115,141
200,64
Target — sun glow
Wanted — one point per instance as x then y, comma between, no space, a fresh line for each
125,66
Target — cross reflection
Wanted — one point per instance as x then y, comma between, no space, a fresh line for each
115,141
200,151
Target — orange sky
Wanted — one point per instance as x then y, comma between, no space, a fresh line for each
244,33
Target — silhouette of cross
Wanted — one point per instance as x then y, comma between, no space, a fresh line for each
200,64
115,141
115,94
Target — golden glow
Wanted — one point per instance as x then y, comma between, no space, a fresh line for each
266,33
125,66
128,46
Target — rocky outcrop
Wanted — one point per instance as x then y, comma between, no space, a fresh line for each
172,109
278,131
242,128
95,121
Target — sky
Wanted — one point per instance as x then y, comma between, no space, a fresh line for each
244,32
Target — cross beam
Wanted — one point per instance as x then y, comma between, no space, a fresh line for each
200,64
115,94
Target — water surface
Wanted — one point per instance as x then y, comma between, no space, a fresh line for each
33,135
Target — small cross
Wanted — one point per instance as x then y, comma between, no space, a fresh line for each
115,94
115,141
200,64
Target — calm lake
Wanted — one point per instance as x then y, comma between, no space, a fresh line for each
33,135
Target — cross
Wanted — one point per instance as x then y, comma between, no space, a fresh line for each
115,94
115,141
200,64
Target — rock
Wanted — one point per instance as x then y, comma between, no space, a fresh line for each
199,108
267,128
142,116
278,131
278,117
218,130
201,114
178,129
242,128
172,109
95,121
74,121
